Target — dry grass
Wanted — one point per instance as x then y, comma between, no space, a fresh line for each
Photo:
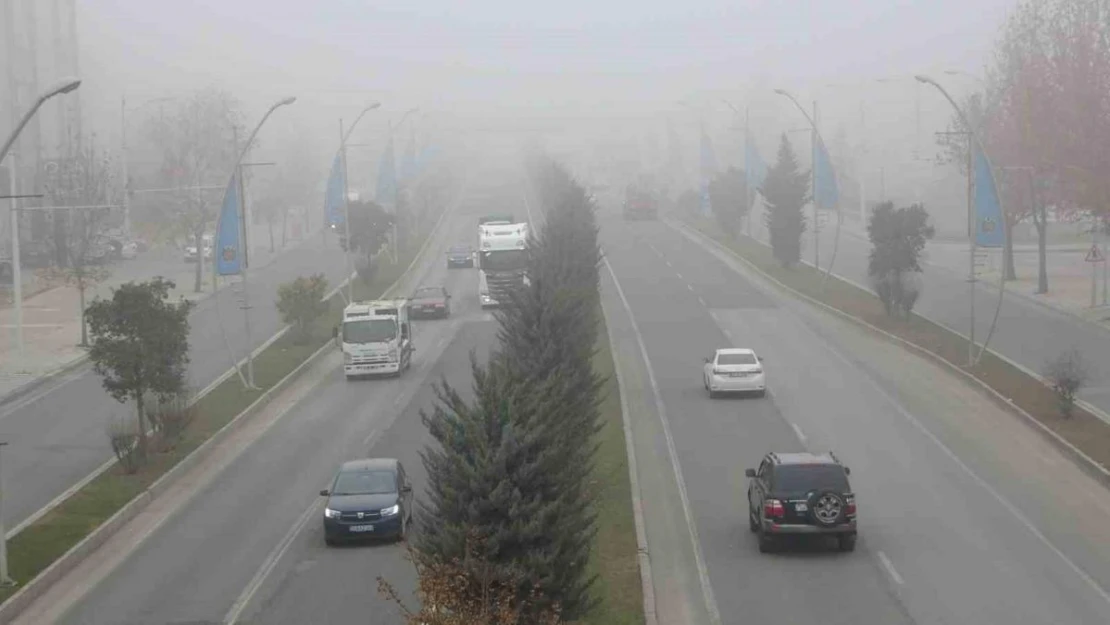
1082,429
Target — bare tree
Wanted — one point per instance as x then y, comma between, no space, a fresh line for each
84,246
199,147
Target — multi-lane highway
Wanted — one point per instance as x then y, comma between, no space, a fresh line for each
250,544
966,515
58,435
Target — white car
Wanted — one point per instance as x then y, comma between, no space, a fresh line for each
734,370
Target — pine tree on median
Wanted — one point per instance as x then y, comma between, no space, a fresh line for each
514,464
786,191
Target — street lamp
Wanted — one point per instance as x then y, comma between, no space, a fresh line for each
237,172
973,140
814,138
343,136
63,86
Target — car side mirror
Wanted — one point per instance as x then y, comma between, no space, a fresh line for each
847,471
760,358
749,472
407,488
325,493
708,360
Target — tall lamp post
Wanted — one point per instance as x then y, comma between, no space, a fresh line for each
237,172
973,141
814,138
61,87
343,136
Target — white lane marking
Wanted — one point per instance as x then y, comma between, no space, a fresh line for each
703,571
269,564
369,437
680,276
798,431
690,287
890,570
668,263
1011,508
701,301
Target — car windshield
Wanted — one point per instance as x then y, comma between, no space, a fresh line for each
736,359
799,478
504,260
428,293
364,482
369,331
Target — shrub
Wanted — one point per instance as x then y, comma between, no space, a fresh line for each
301,303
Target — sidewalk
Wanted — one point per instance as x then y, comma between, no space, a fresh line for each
1069,275
51,319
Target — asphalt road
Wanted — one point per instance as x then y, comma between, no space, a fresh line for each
58,435
939,542
258,525
1027,333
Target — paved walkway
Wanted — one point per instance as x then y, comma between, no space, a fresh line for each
51,318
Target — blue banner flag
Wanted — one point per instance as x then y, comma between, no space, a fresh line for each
333,197
988,208
386,194
228,250
826,193
755,167
708,169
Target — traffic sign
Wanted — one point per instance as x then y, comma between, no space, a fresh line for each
1095,255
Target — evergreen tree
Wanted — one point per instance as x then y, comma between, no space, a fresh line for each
513,466
786,191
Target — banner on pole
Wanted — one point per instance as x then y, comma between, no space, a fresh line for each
989,231
229,258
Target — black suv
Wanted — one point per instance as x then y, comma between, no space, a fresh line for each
801,494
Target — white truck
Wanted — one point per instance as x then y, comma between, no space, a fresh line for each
376,338
502,260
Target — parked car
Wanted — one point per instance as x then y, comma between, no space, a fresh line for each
191,250
430,301
370,498
801,494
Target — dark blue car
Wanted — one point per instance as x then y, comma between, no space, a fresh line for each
369,498
460,256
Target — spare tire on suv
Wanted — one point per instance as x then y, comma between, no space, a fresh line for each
801,494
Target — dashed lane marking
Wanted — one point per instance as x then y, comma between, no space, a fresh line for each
798,431
890,570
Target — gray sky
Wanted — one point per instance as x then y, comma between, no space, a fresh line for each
615,57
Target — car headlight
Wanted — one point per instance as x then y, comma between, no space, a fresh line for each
331,514
391,510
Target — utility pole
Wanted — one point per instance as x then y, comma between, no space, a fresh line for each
123,166
346,215
813,177
246,263
971,250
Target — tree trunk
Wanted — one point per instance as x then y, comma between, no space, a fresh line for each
1040,221
284,228
1008,251
142,424
270,223
81,300
199,243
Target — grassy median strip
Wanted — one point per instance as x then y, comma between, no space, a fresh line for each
1083,430
614,557
36,547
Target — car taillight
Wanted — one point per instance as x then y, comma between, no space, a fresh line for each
772,509
850,506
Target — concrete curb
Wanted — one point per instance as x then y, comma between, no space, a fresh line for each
34,588
68,561
1085,462
643,554
81,360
